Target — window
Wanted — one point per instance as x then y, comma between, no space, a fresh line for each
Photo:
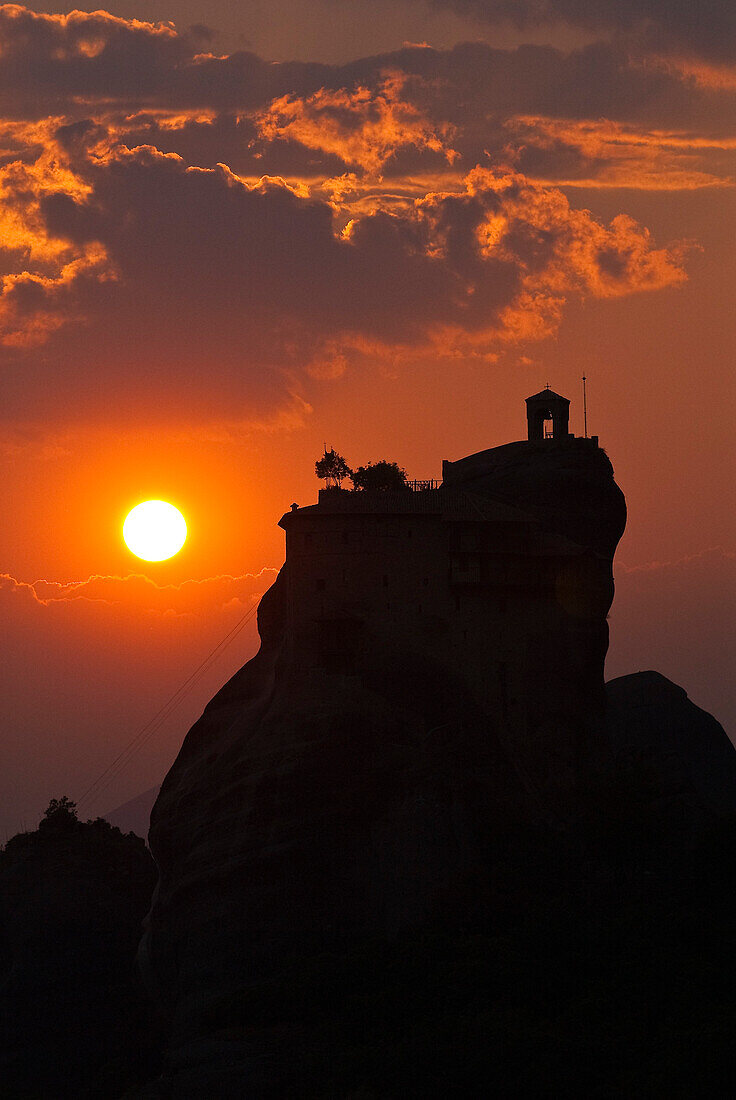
385,580
320,584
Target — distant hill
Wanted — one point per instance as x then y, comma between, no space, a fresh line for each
134,816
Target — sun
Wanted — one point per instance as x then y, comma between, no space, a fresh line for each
154,530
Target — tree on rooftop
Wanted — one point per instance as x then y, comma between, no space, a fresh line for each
333,468
381,475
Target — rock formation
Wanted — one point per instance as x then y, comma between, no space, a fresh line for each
429,683
688,751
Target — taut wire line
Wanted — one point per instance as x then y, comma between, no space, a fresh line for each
123,758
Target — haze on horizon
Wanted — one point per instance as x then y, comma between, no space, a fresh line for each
230,237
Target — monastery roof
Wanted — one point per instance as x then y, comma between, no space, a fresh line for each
449,503
547,393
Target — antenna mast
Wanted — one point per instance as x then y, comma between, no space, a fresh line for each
585,410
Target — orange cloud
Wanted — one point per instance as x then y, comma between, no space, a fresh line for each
556,249
362,126
611,154
23,182
153,261
38,267
716,77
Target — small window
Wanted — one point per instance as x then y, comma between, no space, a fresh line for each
320,584
344,574
425,582
408,533
385,580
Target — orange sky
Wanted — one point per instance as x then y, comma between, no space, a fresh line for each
441,230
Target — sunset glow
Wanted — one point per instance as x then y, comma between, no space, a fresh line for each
154,530
368,572
229,240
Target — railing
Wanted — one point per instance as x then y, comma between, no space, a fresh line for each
421,486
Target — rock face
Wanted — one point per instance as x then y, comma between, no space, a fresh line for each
430,682
568,486
687,749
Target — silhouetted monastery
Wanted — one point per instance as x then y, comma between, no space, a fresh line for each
496,594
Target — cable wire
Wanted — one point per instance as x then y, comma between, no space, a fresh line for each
111,772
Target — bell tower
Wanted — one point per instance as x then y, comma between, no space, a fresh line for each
546,406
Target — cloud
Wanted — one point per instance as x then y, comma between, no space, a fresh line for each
195,287
441,105
413,114
210,238
98,65
724,560
601,153
50,60
141,594
363,127
87,62
61,64
669,26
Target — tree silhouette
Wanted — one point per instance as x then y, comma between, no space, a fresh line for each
333,468
60,812
381,475
73,895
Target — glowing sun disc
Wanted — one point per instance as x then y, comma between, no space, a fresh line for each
154,530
